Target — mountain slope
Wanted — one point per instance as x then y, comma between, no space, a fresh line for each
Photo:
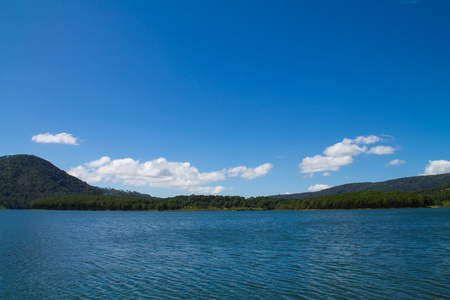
407,184
24,178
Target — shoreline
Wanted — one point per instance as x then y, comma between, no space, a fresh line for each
226,210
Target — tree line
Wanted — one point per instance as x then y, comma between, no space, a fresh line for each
354,200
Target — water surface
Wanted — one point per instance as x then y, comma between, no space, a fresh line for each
358,254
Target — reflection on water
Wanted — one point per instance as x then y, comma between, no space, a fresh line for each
379,254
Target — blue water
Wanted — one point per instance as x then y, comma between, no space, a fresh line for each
360,254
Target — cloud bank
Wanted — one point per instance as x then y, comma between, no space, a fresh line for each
342,154
162,173
319,187
395,163
60,138
436,167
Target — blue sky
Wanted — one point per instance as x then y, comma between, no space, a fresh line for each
233,97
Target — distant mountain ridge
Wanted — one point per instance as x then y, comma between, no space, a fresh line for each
24,178
407,184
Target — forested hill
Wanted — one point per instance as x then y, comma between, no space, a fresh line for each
24,178
407,184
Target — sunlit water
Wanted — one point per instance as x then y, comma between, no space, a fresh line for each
360,254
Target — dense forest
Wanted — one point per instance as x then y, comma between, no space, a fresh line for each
407,184
439,196
24,178
27,181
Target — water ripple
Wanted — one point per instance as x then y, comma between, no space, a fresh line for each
379,254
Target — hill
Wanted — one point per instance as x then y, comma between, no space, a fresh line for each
24,178
407,184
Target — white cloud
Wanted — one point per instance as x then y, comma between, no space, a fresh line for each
60,138
344,148
319,187
321,163
249,173
98,163
370,139
381,150
309,175
326,174
436,167
342,153
207,190
161,173
395,163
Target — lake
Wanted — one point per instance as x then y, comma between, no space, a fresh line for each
353,254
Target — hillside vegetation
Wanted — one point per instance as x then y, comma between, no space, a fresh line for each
27,181
407,184
356,200
24,178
